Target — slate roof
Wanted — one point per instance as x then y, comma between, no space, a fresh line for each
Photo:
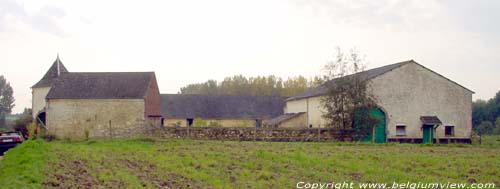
221,106
430,120
365,75
51,75
101,85
283,118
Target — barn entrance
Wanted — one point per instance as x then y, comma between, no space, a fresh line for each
189,122
429,125
41,118
428,134
377,133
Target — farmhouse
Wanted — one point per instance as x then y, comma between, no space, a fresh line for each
219,110
415,104
97,104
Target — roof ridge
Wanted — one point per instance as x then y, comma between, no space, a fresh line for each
114,72
370,74
223,95
54,71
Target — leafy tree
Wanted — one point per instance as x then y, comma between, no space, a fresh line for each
479,112
254,86
3,123
485,128
486,110
21,124
497,128
348,101
6,96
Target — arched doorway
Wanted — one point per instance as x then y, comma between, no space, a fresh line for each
378,132
40,118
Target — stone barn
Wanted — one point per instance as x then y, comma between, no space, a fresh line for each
97,104
184,110
415,104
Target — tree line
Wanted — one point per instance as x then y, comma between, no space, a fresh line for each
6,100
253,86
486,115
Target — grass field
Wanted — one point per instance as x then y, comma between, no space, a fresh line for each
216,164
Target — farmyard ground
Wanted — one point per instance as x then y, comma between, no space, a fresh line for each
153,163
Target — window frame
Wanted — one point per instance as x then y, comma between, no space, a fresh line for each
404,130
452,130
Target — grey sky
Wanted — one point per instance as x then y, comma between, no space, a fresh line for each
195,40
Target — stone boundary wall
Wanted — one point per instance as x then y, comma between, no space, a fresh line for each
255,134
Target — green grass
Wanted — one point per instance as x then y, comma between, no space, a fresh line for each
25,165
148,163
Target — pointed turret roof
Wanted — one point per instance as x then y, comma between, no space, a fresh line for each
52,74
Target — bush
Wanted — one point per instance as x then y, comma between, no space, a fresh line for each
21,124
214,124
87,134
32,131
177,124
199,122
48,137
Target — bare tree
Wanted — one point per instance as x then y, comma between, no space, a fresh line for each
348,101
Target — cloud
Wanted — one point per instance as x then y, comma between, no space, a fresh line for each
480,16
409,15
44,20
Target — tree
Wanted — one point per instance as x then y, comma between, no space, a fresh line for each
485,128
486,110
254,86
6,96
21,124
348,101
497,128
3,123
479,113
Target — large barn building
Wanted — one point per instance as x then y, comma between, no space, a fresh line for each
415,104
97,104
219,110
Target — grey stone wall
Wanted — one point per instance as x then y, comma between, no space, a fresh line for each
97,117
255,134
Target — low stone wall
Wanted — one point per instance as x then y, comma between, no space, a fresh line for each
256,134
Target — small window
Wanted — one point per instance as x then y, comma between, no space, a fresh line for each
449,131
400,130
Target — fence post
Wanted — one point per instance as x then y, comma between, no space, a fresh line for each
319,134
110,130
255,134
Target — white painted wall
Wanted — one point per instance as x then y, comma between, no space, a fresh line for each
38,99
411,91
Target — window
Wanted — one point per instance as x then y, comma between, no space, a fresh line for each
400,130
449,130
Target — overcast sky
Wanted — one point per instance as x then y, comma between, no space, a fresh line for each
192,41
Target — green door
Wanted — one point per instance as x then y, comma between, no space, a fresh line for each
428,134
379,129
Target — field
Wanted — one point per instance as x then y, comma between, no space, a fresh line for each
151,163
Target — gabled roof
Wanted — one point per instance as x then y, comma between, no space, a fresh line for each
365,75
430,120
101,85
221,106
51,75
282,118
